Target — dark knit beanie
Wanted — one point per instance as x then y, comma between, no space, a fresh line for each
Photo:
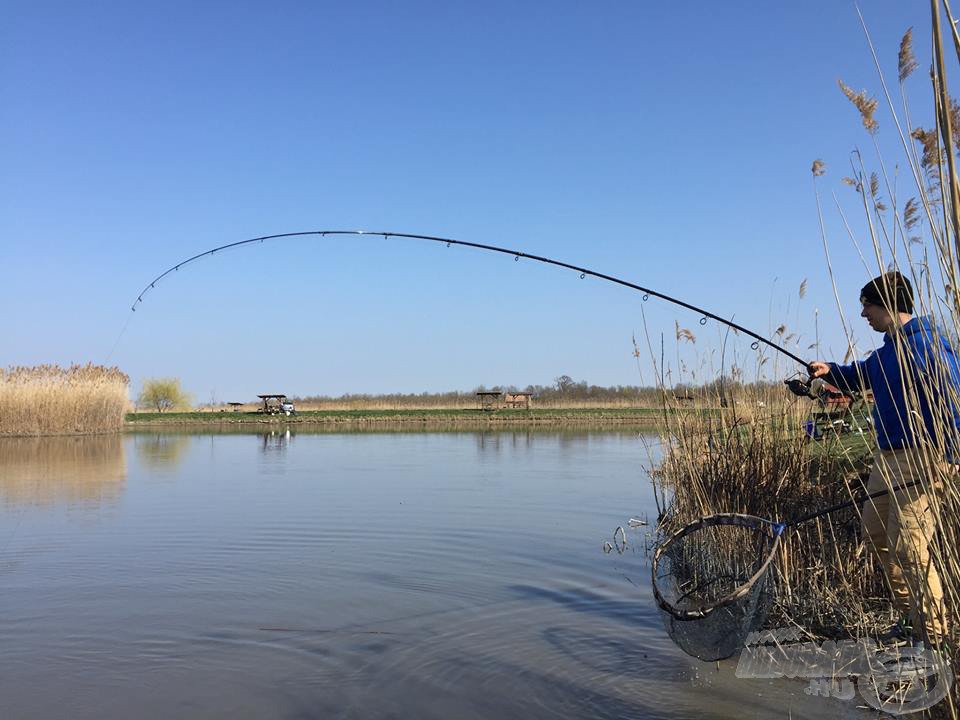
891,291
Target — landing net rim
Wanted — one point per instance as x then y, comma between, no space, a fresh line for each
730,519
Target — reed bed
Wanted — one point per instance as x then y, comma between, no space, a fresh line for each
53,400
764,465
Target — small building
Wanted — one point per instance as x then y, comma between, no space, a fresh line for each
520,400
235,406
489,400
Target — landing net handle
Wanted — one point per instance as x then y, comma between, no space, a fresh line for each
730,519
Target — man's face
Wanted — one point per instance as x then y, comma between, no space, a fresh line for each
877,316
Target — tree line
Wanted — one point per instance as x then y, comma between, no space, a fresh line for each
164,394
563,388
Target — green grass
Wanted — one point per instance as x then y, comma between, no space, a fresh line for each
572,414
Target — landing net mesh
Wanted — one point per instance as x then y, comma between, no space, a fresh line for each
712,585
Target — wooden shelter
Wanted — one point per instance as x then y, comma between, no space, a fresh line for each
489,400
235,406
271,403
520,400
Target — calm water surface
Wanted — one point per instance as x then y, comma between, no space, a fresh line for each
433,575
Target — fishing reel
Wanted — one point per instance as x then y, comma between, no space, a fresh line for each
816,389
800,387
813,388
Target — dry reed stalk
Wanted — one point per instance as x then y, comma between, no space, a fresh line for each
830,559
828,580
943,105
761,464
51,400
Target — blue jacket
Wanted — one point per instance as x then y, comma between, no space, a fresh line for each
934,372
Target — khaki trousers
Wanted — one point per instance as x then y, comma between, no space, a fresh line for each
899,527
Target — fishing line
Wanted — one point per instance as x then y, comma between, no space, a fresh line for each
705,315
116,342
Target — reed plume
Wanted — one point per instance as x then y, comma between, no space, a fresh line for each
932,157
866,105
908,62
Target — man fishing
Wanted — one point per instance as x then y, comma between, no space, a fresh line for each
915,379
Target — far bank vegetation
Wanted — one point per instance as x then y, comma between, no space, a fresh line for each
55,400
564,393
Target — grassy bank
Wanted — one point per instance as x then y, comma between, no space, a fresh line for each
52,400
418,417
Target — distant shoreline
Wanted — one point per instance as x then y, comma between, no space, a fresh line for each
648,417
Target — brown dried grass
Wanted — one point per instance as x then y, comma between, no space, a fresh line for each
53,400
761,464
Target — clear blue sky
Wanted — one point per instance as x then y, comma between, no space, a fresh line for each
667,143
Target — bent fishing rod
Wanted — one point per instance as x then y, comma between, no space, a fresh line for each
516,254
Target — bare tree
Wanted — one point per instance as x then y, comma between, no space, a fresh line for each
563,383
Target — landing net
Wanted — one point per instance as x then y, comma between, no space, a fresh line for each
710,580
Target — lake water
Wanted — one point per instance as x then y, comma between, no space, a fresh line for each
379,575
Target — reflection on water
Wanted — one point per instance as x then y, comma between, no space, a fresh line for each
567,440
277,440
166,449
62,469
161,450
496,441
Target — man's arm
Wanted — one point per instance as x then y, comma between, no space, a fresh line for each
849,378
